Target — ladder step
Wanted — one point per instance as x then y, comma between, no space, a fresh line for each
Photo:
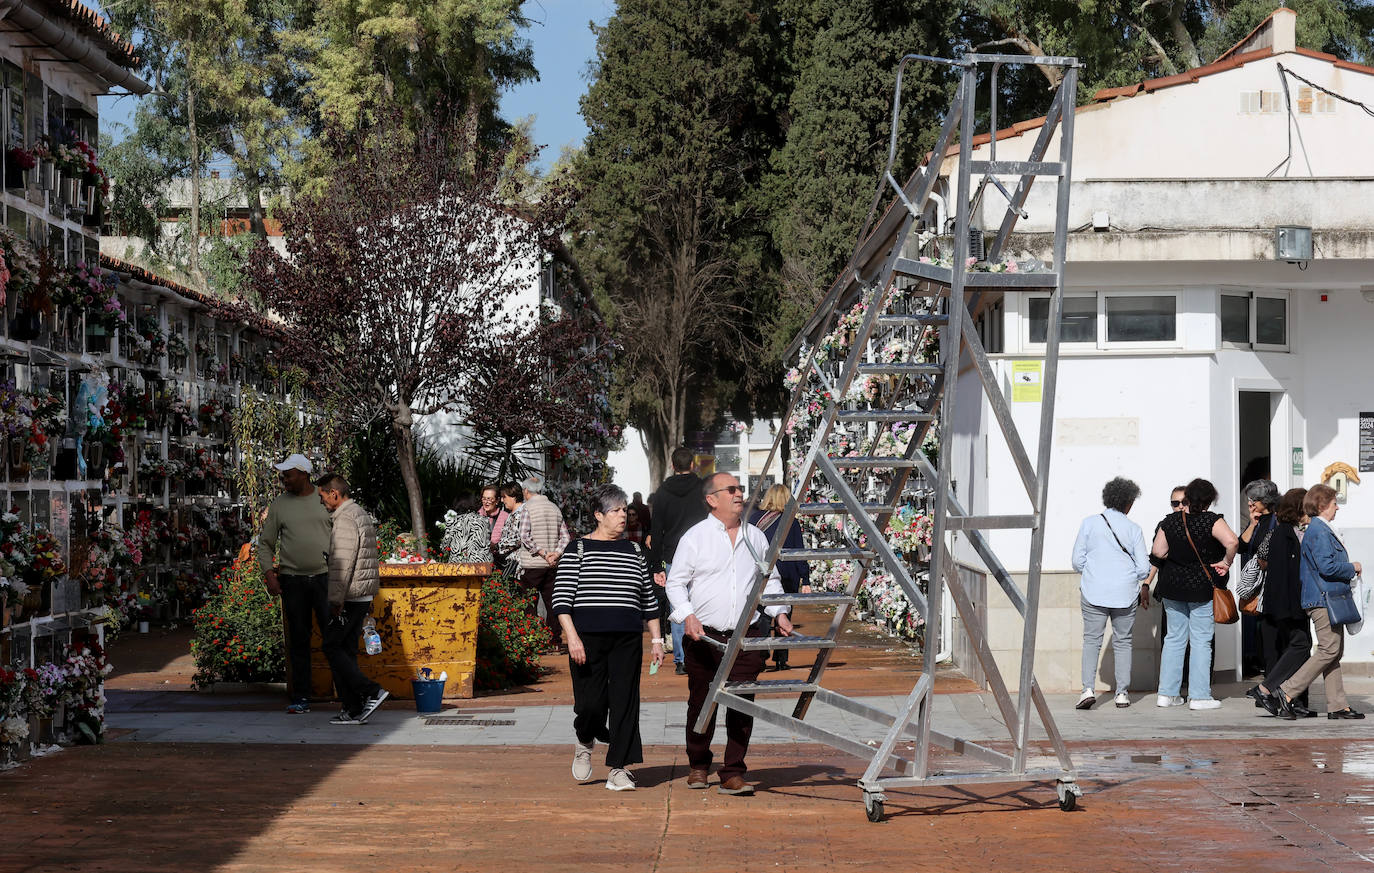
901,369
1017,168
990,522
825,554
839,508
872,461
820,598
902,415
794,641
911,320
770,686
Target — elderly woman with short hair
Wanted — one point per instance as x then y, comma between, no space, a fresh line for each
1110,553
1324,565
1195,549
602,597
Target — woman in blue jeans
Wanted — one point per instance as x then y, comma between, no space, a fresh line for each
1194,549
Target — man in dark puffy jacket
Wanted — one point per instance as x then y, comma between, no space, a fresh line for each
354,579
674,507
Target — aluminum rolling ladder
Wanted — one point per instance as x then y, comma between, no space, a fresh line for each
903,295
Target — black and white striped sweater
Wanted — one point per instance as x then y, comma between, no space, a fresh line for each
605,586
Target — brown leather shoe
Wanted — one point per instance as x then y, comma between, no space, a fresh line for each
735,785
697,779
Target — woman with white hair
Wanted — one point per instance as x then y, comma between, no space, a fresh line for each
1110,553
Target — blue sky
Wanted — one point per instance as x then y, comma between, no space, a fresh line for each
563,45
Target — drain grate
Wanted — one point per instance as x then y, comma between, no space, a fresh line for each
468,722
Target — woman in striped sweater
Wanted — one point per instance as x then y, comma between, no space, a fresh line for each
602,597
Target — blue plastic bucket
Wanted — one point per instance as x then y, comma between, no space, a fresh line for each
429,694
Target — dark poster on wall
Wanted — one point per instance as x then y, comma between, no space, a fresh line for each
1366,442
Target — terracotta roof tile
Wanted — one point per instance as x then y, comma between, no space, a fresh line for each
1313,53
221,308
1113,93
1357,68
95,26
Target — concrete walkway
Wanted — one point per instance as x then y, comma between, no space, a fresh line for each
185,717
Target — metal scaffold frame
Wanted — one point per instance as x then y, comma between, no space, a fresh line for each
901,291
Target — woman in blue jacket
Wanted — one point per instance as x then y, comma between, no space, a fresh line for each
1324,562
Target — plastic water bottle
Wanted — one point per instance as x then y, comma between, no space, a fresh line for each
372,641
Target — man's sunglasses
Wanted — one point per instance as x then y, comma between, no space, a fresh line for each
1175,503
733,489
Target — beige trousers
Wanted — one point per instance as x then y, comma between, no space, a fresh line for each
1326,661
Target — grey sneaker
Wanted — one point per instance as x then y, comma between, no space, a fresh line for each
345,718
372,703
620,780
582,761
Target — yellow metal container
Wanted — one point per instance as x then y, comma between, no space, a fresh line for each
427,617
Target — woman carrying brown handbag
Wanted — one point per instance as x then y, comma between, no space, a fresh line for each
1195,548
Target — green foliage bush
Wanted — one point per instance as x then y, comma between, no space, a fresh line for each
238,632
509,636
375,476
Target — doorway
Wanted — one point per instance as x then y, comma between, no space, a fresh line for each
1261,453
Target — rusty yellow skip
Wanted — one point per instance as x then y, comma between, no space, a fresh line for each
427,617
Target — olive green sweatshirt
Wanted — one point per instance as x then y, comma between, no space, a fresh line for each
300,526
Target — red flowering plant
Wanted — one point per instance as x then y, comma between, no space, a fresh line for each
22,158
49,413
45,557
509,636
238,636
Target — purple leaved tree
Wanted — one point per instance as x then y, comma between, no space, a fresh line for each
401,271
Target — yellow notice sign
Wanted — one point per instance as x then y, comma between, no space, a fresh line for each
1026,377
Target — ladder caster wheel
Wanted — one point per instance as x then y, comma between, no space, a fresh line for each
1068,796
873,807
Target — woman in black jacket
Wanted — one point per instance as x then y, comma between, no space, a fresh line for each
1282,617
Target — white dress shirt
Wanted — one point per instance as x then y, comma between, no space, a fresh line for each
1110,553
711,577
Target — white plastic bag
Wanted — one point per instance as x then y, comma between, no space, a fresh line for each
1359,592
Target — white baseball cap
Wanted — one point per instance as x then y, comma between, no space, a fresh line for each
296,462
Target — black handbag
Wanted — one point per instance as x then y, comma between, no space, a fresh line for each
1340,604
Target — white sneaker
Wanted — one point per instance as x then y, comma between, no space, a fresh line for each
620,780
1165,700
1086,699
1122,701
1205,703
582,761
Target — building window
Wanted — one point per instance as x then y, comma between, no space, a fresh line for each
988,323
1254,319
1108,319
1077,323
1235,318
1271,321
1141,318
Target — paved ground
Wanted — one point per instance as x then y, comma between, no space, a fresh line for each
198,782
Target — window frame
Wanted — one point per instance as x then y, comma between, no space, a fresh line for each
1101,343
1255,294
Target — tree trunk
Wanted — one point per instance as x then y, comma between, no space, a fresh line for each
653,451
257,216
405,454
193,258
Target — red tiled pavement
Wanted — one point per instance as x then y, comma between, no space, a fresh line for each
1205,806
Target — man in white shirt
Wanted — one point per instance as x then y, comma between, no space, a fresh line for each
708,588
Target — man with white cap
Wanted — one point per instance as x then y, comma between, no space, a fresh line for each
297,532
